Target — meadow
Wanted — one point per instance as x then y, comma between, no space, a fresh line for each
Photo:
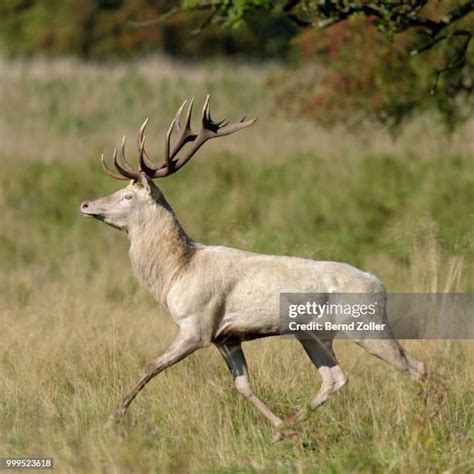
77,330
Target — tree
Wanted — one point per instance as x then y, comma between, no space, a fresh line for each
93,29
382,59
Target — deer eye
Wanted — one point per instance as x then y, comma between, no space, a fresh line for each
128,196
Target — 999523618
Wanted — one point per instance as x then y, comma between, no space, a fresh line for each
26,463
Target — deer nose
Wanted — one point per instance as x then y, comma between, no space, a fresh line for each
84,205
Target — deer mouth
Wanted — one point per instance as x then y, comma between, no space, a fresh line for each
94,215
87,210
99,217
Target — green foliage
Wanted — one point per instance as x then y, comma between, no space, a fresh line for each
112,28
235,10
28,26
359,74
378,60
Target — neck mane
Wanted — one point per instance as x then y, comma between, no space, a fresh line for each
159,249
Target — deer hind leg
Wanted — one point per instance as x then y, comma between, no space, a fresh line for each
333,378
237,365
390,351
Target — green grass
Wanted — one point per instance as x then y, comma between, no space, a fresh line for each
77,329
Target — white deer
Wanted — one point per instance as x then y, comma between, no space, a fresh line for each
219,295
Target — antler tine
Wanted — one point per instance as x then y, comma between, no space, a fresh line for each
168,160
186,133
171,163
108,170
141,132
228,129
126,171
142,159
167,167
209,129
206,113
204,134
188,115
122,156
145,163
141,138
177,117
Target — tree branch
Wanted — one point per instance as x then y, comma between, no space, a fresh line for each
214,6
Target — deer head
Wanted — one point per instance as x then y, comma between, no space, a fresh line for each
135,202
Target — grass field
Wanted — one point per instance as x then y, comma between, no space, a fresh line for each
76,329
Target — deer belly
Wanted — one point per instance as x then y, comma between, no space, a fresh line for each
230,331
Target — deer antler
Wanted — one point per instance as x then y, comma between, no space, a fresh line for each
172,162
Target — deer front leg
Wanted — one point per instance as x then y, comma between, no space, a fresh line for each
185,344
235,360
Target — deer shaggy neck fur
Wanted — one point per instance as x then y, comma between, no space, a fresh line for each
159,247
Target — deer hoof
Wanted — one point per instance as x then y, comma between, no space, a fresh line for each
115,416
277,437
292,435
295,439
297,416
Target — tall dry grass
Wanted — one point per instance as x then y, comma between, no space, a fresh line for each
77,329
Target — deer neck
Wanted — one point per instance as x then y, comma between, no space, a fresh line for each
159,249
